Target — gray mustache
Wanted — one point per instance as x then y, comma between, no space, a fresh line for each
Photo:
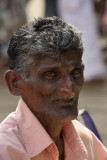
65,98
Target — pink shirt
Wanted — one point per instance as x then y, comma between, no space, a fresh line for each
22,137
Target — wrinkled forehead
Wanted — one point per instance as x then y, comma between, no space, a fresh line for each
70,59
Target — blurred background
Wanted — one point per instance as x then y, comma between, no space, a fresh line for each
90,17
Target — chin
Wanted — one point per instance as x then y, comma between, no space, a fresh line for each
64,112
68,113
70,117
67,118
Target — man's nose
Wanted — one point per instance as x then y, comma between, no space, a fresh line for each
68,86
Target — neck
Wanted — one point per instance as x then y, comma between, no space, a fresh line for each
54,129
52,126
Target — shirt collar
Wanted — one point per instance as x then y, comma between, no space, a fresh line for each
35,137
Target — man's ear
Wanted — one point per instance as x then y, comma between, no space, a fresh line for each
13,80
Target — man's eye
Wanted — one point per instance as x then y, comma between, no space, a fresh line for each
76,72
49,75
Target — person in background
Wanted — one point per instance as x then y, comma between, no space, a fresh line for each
12,15
99,7
46,70
81,13
101,11
51,8
105,17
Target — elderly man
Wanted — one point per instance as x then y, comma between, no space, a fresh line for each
46,70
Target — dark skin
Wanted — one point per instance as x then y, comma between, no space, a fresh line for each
51,92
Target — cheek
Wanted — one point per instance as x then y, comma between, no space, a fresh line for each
46,89
80,83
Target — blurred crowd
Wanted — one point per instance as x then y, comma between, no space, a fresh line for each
89,16
12,15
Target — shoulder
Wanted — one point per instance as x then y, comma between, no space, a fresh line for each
11,146
84,133
81,129
91,142
8,129
11,143
8,122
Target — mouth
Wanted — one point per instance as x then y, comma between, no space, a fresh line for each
65,101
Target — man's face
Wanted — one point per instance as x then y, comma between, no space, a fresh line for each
53,87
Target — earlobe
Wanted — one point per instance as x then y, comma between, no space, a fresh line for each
13,81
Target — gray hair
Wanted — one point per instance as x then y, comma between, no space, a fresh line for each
49,36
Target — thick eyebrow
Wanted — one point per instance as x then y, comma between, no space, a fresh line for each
50,65
49,69
45,69
77,65
57,66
